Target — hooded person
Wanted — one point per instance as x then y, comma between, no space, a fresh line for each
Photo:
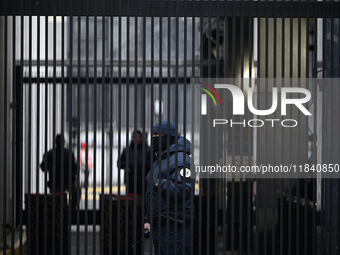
170,180
63,162
136,155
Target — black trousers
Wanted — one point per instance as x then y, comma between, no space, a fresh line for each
165,238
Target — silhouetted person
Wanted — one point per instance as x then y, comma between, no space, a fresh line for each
135,160
52,160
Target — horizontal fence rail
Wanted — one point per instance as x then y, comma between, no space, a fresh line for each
194,8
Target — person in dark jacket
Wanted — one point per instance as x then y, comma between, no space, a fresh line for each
129,159
52,161
173,163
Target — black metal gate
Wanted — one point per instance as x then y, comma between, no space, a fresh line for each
263,176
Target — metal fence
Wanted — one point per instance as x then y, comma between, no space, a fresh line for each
96,71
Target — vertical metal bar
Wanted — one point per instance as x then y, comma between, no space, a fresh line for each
87,100
168,138
200,211
217,181
338,56
151,121
224,209
240,225
209,48
283,48
297,185
119,117
110,107
62,113
193,124
275,60
20,136
338,156
332,74
299,135
290,139
38,122
185,21
314,238
274,205
315,42
16,136
15,130
282,139
329,181
323,114
95,122
119,114
332,41
54,245
144,116
127,125
70,120
135,137
159,120
103,125
306,234
308,41
176,124
168,118
299,41
314,75
5,121
135,110
29,136
241,138
62,230
250,162
225,181
46,133
233,131
266,64
257,133
207,72
79,95
226,141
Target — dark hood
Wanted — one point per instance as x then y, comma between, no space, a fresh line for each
180,146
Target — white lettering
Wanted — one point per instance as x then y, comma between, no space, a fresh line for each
238,123
219,122
297,101
282,122
257,120
272,120
262,112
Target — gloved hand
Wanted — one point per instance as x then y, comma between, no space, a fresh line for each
146,233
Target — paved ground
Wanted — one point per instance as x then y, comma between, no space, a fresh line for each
91,245
75,249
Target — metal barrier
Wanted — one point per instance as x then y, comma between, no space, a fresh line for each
103,73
